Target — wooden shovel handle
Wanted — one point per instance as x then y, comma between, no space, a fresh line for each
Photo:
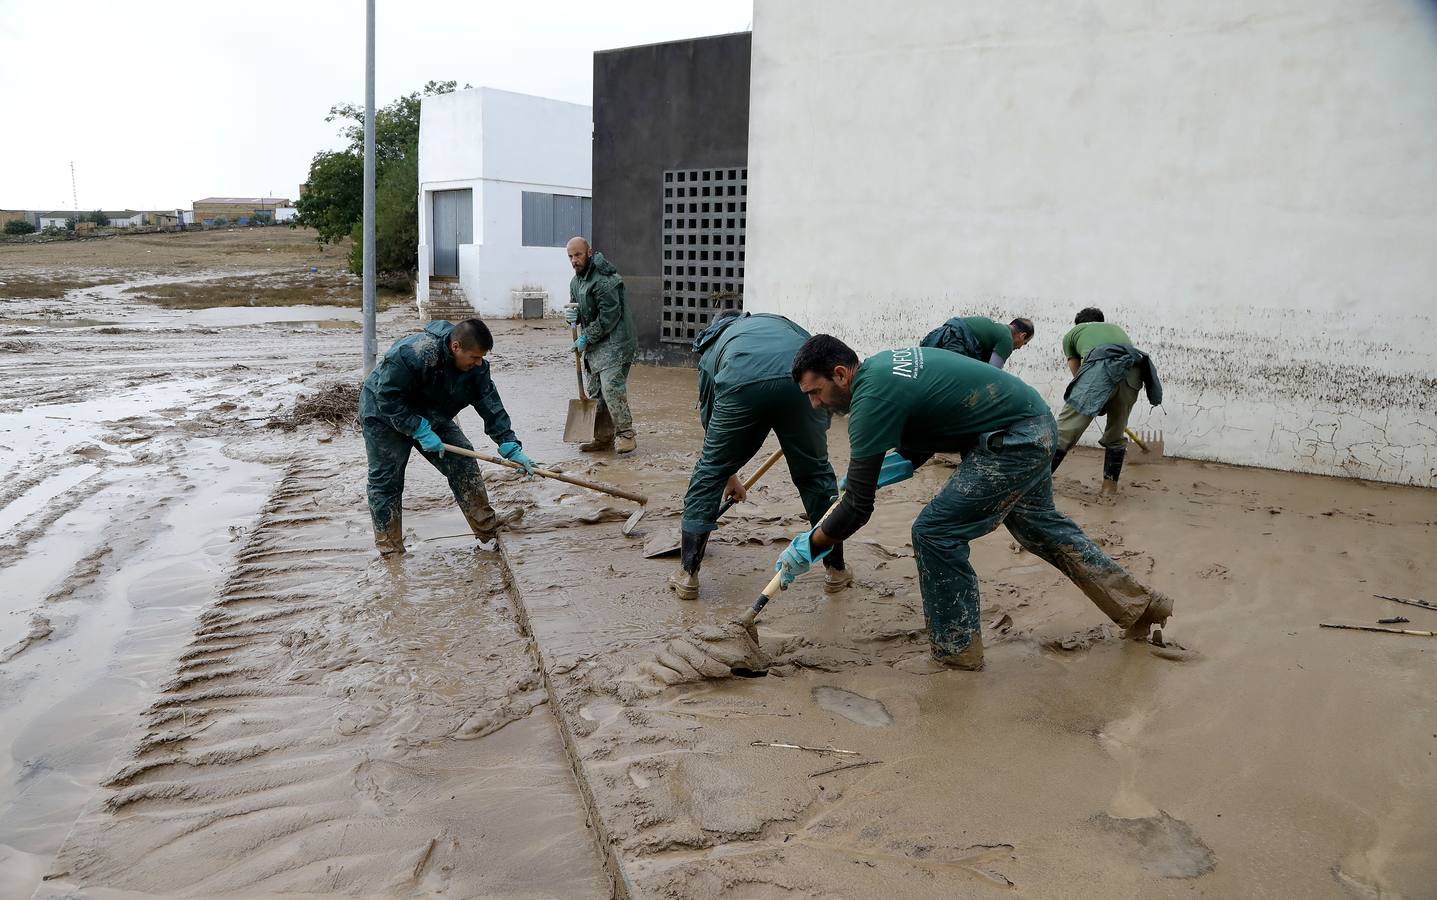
557,476
578,365
753,479
1142,444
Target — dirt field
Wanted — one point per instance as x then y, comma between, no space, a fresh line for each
210,685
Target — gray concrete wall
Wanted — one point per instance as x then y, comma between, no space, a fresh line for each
657,107
1248,186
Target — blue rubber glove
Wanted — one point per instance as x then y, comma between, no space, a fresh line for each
571,315
797,559
895,468
428,441
512,451
581,343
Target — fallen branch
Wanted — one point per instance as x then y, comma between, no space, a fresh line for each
1383,630
1420,604
857,765
801,747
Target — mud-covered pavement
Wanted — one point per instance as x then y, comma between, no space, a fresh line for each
212,686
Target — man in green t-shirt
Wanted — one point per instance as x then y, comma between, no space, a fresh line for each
981,338
903,406
1108,371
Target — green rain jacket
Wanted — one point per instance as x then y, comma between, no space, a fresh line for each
603,315
1100,373
765,354
417,378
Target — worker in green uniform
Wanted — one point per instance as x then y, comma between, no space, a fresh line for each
607,343
981,338
745,391
1108,371
905,405
410,400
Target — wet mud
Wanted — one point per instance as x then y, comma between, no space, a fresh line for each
234,696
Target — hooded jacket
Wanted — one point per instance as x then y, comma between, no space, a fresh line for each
1100,373
417,378
603,315
741,350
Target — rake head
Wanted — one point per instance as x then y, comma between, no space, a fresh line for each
1150,447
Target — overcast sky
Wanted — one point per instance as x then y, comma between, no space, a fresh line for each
162,102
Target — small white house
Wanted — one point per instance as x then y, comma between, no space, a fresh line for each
503,184
56,219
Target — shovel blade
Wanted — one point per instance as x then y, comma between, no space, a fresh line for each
663,543
579,426
1154,452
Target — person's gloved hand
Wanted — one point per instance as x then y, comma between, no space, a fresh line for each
797,559
895,468
581,343
428,441
512,451
571,314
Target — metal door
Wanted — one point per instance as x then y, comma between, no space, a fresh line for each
453,225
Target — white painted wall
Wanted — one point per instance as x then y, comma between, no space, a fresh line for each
499,144
1250,188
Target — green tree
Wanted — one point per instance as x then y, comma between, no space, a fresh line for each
98,217
263,217
396,221
19,226
333,200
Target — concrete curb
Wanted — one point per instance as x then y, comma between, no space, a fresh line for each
622,886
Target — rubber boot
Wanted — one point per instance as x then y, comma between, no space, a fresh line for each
625,443
1058,458
1157,613
685,582
390,540
1112,468
836,576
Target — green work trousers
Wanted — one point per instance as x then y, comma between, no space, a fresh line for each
388,452
1072,424
741,420
610,386
1007,480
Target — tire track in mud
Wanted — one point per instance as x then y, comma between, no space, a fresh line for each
339,723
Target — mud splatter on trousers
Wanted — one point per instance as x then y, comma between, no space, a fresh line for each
740,423
388,452
1006,479
610,386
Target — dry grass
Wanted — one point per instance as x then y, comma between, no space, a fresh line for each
335,405
47,287
309,289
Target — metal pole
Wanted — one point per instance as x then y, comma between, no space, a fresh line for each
371,348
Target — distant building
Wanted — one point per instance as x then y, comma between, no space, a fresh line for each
503,185
57,218
26,215
238,210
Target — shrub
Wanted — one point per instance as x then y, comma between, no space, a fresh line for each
19,226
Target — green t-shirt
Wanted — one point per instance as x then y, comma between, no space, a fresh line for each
929,400
1081,339
993,337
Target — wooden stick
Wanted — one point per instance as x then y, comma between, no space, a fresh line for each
753,479
557,476
857,765
1383,630
1420,604
801,747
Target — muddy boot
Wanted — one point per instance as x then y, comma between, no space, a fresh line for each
1058,458
1112,468
685,582
625,443
390,540
836,576
1159,608
970,660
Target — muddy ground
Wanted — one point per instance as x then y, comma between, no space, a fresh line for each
209,685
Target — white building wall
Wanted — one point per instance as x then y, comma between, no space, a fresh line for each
1249,188
499,144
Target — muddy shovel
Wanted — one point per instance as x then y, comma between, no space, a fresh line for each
583,412
1151,445
567,479
669,542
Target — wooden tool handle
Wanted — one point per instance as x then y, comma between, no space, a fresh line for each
775,584
1142,444
753,479
578,365
1380,629
557,476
